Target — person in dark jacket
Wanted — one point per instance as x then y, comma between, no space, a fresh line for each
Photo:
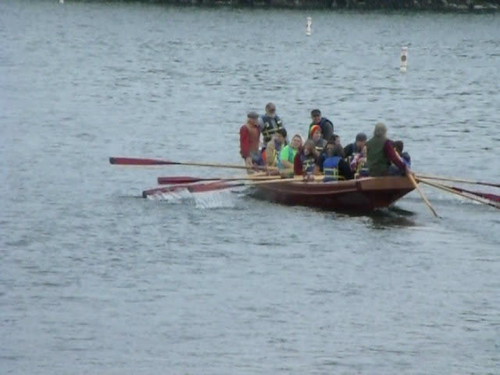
356,147
325,124
270,123
380,153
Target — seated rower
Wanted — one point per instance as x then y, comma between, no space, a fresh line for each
398,147
358,162
336,139
317,138
333,165
287,156
274,147
249,141
380,153
306,160
352,149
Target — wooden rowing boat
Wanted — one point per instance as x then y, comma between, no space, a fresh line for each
361,195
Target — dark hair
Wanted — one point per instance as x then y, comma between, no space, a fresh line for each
361,137
282,132
399,146
315,112
338,151
333,138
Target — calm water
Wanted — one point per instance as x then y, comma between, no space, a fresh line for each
94,279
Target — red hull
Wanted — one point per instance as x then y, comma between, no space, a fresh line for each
361,195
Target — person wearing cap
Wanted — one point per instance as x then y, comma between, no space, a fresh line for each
249,140
325,124
274,148
356,147
317,138
270,123
380,153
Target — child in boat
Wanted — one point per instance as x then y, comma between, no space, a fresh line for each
287,155
274,147
358,163
393,169
317,138
333,165
306,160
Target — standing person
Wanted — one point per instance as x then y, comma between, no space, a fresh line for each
325,124
287,155
270,123
317,138
356,147
274,148
249,141
380,153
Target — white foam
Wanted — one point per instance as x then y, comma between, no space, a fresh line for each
203,200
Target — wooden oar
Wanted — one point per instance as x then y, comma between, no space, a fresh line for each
415,185
169,180
490,196
144,162
219,185
465,181
449,189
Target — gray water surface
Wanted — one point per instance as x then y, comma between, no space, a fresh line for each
94,279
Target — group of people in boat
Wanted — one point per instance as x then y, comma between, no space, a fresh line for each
264,144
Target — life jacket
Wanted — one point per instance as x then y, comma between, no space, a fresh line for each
271,126
330,168
273,154
320,145
308,163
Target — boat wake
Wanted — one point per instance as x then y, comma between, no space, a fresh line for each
203,200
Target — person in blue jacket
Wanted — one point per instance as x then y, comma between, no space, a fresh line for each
333,165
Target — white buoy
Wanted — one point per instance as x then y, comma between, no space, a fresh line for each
404,59
309,26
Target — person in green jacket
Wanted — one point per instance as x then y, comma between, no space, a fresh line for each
380,153
287,155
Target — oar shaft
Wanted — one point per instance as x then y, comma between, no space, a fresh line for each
412,179
450,190
148,161
187,179
451,179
